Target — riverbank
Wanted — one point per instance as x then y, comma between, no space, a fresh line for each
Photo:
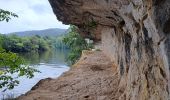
51,64
93,77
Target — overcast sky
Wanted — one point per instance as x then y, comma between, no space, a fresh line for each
33,15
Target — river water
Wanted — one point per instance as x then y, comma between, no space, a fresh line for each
51,64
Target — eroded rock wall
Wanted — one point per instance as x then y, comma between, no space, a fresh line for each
135,35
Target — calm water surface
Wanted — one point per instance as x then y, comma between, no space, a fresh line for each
51,64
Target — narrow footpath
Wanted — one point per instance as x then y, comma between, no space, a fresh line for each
93,77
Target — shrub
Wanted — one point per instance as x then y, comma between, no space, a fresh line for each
76,43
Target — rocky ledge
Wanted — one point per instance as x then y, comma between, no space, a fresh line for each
93,77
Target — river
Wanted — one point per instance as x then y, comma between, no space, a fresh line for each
51,64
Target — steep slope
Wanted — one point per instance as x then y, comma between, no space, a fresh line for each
134,34
46,32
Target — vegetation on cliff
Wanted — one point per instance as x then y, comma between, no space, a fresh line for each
76,43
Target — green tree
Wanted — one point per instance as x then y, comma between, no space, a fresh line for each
17,44
76,43
10,63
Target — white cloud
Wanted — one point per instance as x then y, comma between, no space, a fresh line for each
33,15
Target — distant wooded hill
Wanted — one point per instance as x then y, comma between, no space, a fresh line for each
46,32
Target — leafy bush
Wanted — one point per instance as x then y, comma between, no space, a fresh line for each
76,43
10,63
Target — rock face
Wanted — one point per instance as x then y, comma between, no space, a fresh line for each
135,34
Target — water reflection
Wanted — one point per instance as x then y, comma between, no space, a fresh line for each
55,56
50,64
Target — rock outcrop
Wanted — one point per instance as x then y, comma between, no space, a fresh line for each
134,34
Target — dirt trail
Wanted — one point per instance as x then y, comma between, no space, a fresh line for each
93,77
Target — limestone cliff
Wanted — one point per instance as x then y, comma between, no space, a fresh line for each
135,34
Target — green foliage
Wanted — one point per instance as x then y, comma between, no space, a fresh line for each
17,44
91,25
76,44
36,43
6,15
10,63
98,50
58,43
89,28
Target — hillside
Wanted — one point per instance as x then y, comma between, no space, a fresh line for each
46,32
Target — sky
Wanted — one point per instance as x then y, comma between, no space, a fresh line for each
33,15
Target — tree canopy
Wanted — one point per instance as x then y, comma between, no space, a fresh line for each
76,43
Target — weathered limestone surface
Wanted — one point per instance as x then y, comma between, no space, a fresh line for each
135,35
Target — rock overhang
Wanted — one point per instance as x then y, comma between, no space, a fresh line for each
84,13
135,34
